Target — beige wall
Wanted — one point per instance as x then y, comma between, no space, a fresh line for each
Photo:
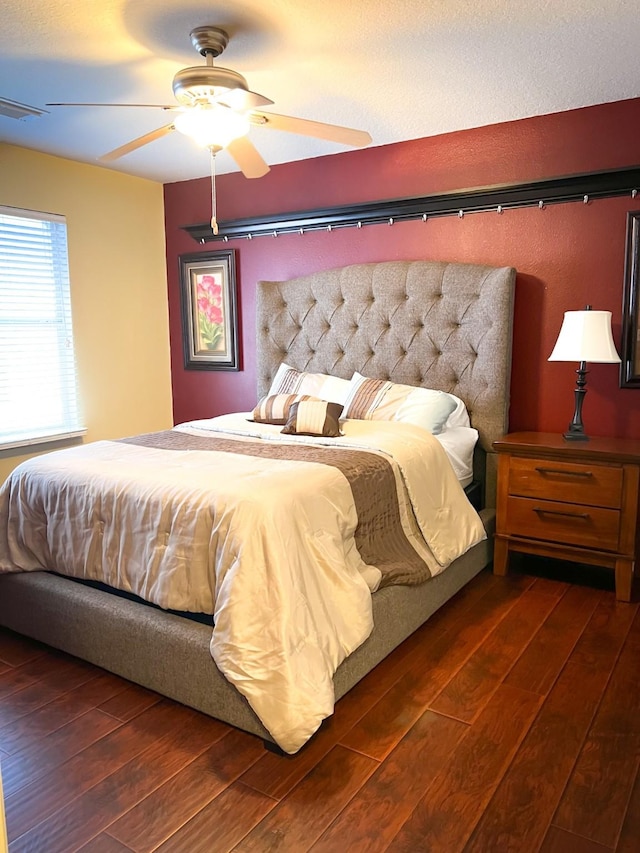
115,230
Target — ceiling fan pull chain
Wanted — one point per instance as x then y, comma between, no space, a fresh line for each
214,213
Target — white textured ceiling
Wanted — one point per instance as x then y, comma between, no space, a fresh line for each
400,69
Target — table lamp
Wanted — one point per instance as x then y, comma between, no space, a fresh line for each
584,336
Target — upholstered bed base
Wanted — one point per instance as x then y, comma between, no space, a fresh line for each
445,326
170,654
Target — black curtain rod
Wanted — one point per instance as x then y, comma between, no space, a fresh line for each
583,187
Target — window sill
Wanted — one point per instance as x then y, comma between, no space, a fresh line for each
23,444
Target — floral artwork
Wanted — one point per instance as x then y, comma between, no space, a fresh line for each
210,319
208,301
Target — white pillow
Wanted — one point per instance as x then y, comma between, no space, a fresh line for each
377,399
288,380
459,417
459,444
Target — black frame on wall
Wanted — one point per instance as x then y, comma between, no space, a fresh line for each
630,355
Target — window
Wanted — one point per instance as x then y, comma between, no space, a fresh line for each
38,397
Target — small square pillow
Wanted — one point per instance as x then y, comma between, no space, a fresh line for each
313,417
381,400
275,408
288,380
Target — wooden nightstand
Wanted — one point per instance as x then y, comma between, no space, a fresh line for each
574,501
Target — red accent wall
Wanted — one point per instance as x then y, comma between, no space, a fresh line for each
567,255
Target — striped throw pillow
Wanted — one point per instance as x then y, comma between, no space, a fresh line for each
382,400
314,417
275,408
288,380
365,397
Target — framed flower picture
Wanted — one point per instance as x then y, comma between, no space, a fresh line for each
209,310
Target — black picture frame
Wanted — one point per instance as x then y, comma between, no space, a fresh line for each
630,344
208,299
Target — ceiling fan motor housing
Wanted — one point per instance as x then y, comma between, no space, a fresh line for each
202,83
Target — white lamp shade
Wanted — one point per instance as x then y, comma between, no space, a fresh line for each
586,336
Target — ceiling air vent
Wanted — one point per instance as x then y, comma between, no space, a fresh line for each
13,109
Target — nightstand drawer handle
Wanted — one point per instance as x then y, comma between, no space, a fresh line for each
541,511
569,473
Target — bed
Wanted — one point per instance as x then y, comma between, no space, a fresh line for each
426,324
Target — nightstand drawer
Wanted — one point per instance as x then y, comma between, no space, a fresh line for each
574,482
573,524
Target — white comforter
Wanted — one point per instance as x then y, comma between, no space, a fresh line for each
279,569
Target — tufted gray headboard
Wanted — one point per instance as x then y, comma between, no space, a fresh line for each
439,325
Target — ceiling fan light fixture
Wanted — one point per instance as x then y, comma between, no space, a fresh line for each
212,125
217,109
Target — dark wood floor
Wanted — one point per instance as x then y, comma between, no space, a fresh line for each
510,722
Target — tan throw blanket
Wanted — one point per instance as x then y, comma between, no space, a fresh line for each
265,544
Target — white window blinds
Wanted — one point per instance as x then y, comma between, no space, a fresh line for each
38,397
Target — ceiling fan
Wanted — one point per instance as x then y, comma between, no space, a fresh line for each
216,108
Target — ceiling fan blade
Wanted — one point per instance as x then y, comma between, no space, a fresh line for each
247,157
318,129
151,106
136,143
242,99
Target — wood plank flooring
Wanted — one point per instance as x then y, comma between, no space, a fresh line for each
509,722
